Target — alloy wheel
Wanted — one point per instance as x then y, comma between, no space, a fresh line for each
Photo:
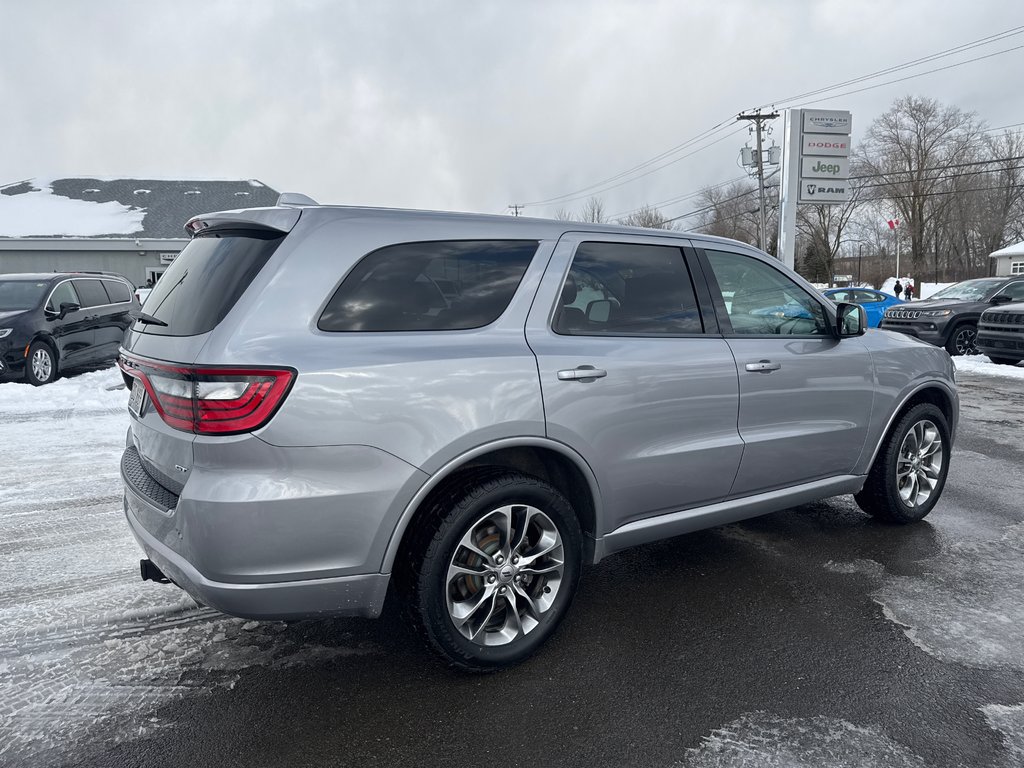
42,365
964,341
504,575
919,465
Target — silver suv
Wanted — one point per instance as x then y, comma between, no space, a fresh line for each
327,401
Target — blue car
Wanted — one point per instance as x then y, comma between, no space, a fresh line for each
874,302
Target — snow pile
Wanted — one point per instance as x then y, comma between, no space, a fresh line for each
982,366
921,290
41,213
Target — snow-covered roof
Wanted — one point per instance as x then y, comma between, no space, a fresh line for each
96,207
1010,250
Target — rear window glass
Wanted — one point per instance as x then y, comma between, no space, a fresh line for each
205,280
117,291
438,286
91,293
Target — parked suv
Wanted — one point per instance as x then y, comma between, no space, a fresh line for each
949,318
54,322
329,400
1001,334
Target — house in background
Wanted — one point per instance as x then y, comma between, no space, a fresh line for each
134,227
1009,260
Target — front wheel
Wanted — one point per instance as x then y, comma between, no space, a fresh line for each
41,365
909,473
492,570
962,341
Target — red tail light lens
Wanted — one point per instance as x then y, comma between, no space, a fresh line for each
211,401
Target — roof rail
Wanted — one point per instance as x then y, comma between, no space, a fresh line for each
294,200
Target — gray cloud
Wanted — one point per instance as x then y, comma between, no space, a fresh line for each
449,104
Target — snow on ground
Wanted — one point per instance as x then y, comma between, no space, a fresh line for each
921,290
981,365
85,645
761,740
44,214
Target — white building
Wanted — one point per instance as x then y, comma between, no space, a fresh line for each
1009,260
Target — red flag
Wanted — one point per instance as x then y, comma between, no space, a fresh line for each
893,223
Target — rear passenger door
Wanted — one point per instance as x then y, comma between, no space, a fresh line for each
805,395
634,376
95,304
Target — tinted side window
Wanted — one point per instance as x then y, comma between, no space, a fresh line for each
91,293
117,291
438,286
760,299
1014,290
62,294
840,296
865,297
616,289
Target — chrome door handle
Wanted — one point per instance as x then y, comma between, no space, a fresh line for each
582,373
763,366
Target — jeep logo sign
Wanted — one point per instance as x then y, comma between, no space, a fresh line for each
825,168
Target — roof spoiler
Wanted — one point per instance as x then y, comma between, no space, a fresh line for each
294,200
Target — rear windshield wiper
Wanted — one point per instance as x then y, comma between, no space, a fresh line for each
150,320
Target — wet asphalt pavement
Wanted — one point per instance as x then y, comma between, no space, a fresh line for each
814,636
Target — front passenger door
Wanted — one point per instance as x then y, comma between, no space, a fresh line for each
805,395
72,333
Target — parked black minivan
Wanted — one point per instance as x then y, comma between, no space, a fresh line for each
54,322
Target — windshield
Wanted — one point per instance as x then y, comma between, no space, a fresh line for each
20,294
968,290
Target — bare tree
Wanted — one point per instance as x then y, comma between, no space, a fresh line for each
729,211
648,217
908,153
593,211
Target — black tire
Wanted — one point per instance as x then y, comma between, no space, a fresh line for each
1004,360
963,340
41,364
422,573
881,495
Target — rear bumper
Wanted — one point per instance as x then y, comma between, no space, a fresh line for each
340,596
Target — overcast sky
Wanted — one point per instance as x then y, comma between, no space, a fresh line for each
467,105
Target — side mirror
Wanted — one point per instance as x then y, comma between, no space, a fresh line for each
851,320
67,307
1001,298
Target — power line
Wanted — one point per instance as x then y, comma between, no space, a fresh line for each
1013,31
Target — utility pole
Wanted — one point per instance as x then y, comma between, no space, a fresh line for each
757,118
516,208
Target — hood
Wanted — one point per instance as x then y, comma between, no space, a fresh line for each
933,304
11,314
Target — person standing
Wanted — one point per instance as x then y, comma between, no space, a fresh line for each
908,291
898,288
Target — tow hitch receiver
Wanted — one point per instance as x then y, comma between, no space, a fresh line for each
150,572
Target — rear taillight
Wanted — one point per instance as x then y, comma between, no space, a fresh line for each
211,400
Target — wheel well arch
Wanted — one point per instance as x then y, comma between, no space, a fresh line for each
549,461
932,393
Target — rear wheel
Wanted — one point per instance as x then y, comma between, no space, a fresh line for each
962,340
1004,360
909,473
492,572
41,365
